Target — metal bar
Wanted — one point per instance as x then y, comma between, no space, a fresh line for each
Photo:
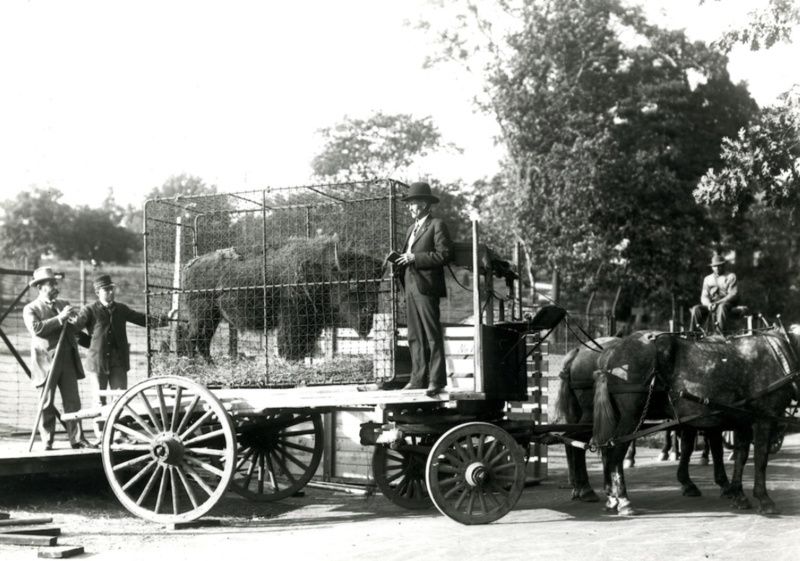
167,201
146,284
168,290
326,195
262,204
393,291
14,352
264,279
14,303
21,272
476,307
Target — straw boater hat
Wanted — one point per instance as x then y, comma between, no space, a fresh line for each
42,274
717,260
420,191
103,281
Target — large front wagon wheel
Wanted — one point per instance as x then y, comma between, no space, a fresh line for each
168,450
475,473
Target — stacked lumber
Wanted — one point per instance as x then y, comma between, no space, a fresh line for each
35,532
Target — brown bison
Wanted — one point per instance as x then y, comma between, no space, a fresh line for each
295,290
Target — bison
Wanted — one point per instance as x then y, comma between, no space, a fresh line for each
297,290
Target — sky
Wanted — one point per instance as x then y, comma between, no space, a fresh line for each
104,93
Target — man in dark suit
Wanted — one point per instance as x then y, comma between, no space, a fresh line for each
45,318
426,250
108,360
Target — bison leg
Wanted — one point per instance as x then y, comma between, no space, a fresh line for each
298,331
204,317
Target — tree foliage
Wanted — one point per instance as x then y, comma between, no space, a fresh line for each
33,224
382,145
608,122
92,234
771,24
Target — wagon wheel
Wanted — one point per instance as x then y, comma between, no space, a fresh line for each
400,473
475,473
168,449
278,454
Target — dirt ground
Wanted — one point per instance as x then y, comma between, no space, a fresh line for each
332,525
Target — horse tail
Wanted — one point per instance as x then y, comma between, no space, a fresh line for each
605,418
565,396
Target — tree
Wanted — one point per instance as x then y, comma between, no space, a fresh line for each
33,224
767,26
379,146
606,137
92,234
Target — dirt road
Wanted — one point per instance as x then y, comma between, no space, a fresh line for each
333,526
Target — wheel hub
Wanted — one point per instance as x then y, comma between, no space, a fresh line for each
167,449
476,474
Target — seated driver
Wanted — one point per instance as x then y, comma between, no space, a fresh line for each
719,295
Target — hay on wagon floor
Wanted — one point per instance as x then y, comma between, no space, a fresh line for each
225,372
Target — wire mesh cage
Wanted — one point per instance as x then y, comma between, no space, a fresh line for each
279,287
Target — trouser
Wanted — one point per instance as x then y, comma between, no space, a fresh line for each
721,314
425,338
116,379
67,384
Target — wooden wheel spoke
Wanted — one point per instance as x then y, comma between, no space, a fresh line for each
482,500
500,455
199,480
421,492
142,472
187,486
133,462
132,433
494,500
150,413
140,421
286,433
205,465
162,407
471,501
250,470
207,451
245,456
175,409
205,436
447,481
481,444
498,488
283,466
502,467
296,446
271,471
444,468
292,458
491,449
188,414
299,420
197,424
162,489
149,486
176,502
452,459
460,449
469,448
395,477
261,471
453,491
464,493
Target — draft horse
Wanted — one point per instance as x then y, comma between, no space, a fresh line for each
576,406
742,384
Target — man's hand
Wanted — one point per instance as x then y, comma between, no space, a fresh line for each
68,313
713,306
406,259
173,313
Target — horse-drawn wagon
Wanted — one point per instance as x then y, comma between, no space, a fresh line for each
286,312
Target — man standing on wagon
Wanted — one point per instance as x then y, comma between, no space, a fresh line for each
46,318
719,295
426,250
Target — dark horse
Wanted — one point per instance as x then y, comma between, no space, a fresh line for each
744,380
576,406
296,290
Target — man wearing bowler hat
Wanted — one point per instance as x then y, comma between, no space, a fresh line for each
426,250
108,360
46,317
718,296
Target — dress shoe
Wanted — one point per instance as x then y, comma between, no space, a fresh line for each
434,390
48,447
82,444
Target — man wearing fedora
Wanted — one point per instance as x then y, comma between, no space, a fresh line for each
45,318
108,360
426,250
718,296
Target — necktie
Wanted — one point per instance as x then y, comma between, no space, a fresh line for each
414,233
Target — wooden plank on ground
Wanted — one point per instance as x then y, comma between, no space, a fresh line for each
25,521
37,530
61,552
27,539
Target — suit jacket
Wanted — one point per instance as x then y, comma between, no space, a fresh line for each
45,329
432,249
108,331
